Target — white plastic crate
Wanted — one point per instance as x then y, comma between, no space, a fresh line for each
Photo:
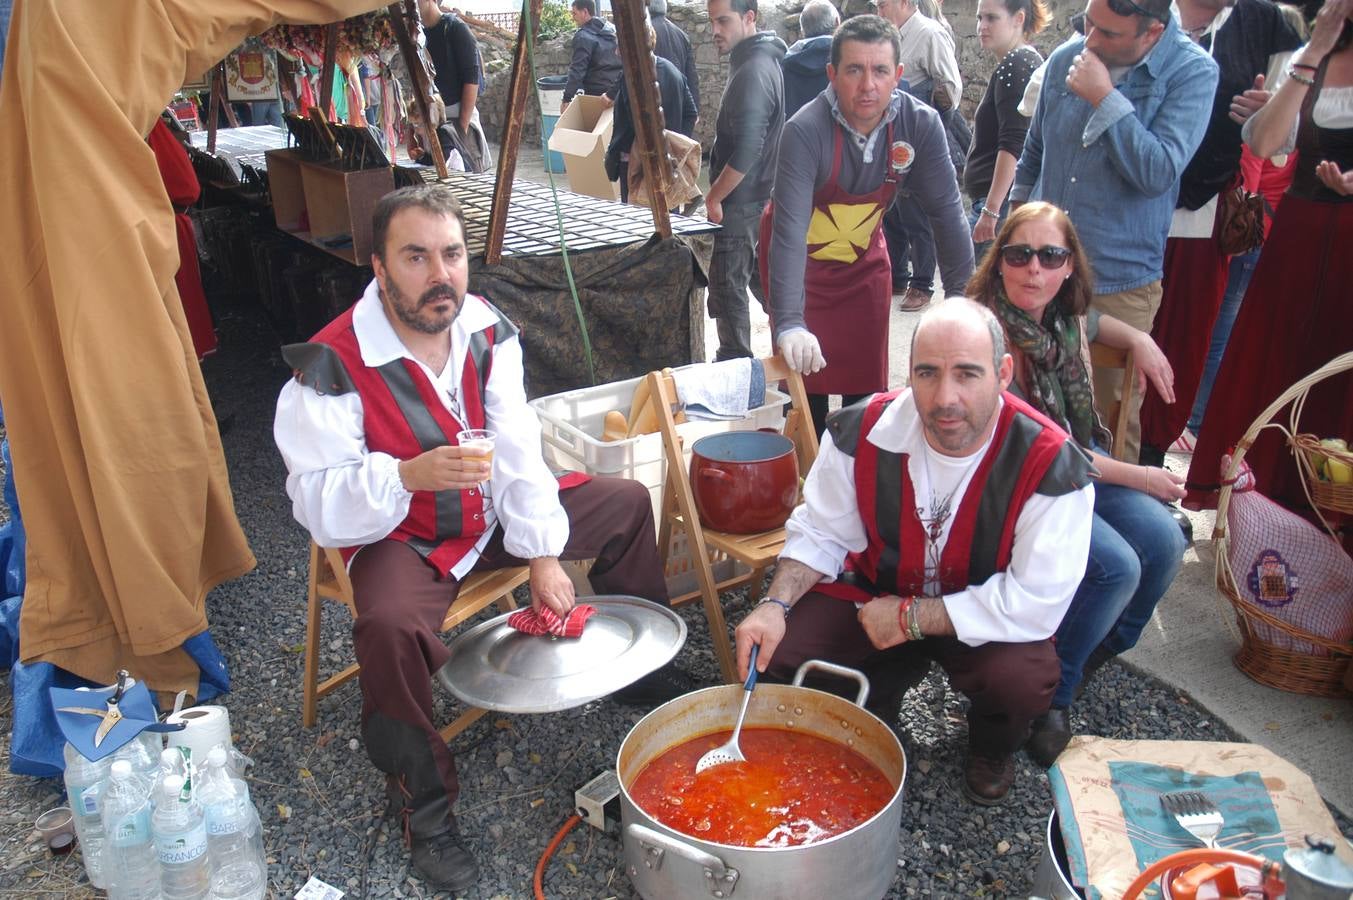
571,426
572,421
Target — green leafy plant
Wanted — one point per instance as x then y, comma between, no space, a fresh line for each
554,20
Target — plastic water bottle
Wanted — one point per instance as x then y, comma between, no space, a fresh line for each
172,762
143,752
130,866
180,831
234,834
84,782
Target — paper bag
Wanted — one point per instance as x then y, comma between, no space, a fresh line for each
1107,795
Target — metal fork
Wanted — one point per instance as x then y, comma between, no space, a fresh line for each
1196,813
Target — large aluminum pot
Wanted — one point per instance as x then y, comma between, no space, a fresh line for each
664,864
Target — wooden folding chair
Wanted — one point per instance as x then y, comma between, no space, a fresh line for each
329,579
756,552
1102,356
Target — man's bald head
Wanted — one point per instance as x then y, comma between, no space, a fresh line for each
961,309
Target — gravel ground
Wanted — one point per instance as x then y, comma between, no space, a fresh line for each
321,799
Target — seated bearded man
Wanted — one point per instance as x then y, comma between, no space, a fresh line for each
368,430
949,522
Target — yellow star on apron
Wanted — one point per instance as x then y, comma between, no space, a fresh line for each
843,232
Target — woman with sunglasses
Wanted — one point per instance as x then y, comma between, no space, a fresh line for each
1297,314
1038,282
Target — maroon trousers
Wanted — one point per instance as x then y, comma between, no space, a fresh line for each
1008,684
401,603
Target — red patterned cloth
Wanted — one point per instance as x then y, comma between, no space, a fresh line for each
547,621
1289,567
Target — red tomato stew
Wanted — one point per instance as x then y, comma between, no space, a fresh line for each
794,789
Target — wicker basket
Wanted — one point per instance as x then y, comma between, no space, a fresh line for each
1258,658
1325,495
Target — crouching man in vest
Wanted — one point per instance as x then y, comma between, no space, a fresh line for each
947,522
368,431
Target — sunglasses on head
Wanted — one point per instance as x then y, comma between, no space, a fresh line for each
1049,257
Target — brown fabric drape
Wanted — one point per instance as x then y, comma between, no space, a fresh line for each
117,460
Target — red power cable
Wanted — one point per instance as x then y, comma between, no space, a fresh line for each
549,851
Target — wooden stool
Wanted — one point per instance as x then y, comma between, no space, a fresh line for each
329,579
1103,356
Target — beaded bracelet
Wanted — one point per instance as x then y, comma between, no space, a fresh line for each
986,211
1299,78
914,623
780,603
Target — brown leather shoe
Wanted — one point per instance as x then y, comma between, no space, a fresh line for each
914,300
1048,736
987,779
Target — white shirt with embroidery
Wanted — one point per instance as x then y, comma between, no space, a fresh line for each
348,495
1024,603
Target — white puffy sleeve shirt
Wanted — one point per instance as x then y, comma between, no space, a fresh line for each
1024,603
347,495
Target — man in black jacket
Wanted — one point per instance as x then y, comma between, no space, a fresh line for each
595,67
741,163
806,62
674,46
678,115
456,64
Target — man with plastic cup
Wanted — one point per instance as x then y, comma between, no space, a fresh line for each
369,430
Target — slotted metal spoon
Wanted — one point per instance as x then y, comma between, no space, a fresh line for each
1196,813
730,751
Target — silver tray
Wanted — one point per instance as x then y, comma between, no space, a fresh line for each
494,666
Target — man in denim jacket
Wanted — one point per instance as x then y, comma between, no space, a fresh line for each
1121,112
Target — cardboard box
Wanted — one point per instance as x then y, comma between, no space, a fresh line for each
582,134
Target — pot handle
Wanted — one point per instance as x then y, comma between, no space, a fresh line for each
719,878
712,473
831,668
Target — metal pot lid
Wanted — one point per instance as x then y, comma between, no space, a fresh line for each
1317,862
494,666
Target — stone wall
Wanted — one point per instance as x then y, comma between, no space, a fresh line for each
552,58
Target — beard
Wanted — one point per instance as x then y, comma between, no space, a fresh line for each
963,440
414,313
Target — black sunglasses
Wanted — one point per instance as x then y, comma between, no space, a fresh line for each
1049,257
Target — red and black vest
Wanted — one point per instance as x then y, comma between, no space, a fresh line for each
1028,455
403,416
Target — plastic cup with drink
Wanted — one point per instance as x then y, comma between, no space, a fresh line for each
477,443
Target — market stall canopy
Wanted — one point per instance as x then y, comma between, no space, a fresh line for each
117,458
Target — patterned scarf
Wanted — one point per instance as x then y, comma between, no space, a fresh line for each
1059,383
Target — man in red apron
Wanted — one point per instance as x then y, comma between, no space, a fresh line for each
841,160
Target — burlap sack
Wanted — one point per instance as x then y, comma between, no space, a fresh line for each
1107,795
683,156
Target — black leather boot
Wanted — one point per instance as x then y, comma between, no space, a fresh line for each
1049,736
417,797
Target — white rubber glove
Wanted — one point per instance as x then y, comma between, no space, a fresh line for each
802,351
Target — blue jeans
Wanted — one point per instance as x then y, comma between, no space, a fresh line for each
907,230
1237,281
979,250
1136,549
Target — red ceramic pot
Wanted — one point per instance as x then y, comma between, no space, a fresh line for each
744,482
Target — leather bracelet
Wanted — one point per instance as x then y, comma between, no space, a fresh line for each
780,603
1299,78
986,211
903,612
1307,66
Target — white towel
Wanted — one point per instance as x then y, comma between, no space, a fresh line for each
724,390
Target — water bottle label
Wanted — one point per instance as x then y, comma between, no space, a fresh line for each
86,801
225,817
131,829
185,847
